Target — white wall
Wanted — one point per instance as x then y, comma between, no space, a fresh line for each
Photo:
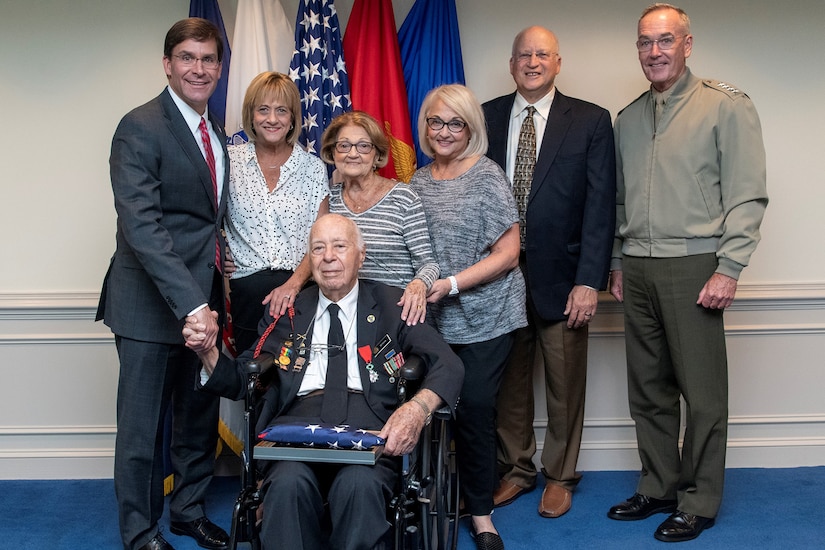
70,70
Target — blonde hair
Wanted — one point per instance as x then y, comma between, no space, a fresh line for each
461,100
279,87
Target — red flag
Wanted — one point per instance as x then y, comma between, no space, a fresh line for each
376,79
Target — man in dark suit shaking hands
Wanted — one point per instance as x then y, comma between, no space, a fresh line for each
169,174
559,154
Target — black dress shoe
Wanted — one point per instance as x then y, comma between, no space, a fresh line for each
682,526
206,534
640,507
157,543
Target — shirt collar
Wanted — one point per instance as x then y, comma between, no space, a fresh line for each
542,105
192,118
348,304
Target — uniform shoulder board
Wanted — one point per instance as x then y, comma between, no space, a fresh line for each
731,91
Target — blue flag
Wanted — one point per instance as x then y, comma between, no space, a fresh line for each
209,10
318,69
324,436
430,54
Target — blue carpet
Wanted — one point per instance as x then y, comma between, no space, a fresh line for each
762,508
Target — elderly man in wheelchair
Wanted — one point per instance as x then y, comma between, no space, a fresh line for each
338,353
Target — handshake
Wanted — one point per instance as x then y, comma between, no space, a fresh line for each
200,332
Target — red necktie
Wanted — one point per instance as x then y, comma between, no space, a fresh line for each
210,161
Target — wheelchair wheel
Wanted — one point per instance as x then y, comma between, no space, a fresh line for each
439,505
446,491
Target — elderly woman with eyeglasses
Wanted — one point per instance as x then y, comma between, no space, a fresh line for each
276,190
480,301
388,212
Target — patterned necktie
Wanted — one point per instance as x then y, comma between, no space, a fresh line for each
334,406
523,173
210,161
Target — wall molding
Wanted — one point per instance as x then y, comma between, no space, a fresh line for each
80,305
58,323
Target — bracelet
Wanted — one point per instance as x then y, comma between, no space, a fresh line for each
453,285
424,407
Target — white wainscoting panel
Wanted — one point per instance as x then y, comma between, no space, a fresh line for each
59,375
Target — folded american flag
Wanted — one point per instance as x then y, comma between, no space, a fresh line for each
324,436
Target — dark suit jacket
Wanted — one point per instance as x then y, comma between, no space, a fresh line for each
378,317
164,264
571,211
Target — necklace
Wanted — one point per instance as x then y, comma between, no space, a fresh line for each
278,158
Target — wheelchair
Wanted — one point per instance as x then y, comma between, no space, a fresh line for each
424,509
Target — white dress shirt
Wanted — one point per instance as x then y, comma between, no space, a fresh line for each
517,116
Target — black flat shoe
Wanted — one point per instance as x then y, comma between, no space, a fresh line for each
157,543
641,507
206,534
682,526
489,541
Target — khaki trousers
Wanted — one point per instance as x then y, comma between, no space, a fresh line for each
562,353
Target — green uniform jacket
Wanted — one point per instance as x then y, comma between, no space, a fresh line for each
696,184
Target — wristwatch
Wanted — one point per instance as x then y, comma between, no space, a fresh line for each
453,285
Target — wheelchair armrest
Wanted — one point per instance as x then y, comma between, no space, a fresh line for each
413,368
260,364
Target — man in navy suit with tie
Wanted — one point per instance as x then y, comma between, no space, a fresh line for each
169,172
338,352
566,173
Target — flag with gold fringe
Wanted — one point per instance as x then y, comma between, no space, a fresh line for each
377,80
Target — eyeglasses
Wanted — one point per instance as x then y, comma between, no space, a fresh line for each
209,62
455,126
524,57
665,43
362,147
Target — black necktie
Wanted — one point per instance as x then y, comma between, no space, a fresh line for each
334,407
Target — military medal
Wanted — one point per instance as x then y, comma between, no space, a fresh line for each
396,361
366,354
286,353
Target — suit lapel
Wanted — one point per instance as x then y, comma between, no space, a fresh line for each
368,318
557,125
499,124
184,136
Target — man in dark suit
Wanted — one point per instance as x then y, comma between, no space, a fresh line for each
373,337
169,182
567,218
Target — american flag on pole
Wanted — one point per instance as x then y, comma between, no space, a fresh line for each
318,69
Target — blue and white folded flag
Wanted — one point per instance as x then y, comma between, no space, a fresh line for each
322,436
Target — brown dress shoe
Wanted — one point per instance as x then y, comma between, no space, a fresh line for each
507,492
555,501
